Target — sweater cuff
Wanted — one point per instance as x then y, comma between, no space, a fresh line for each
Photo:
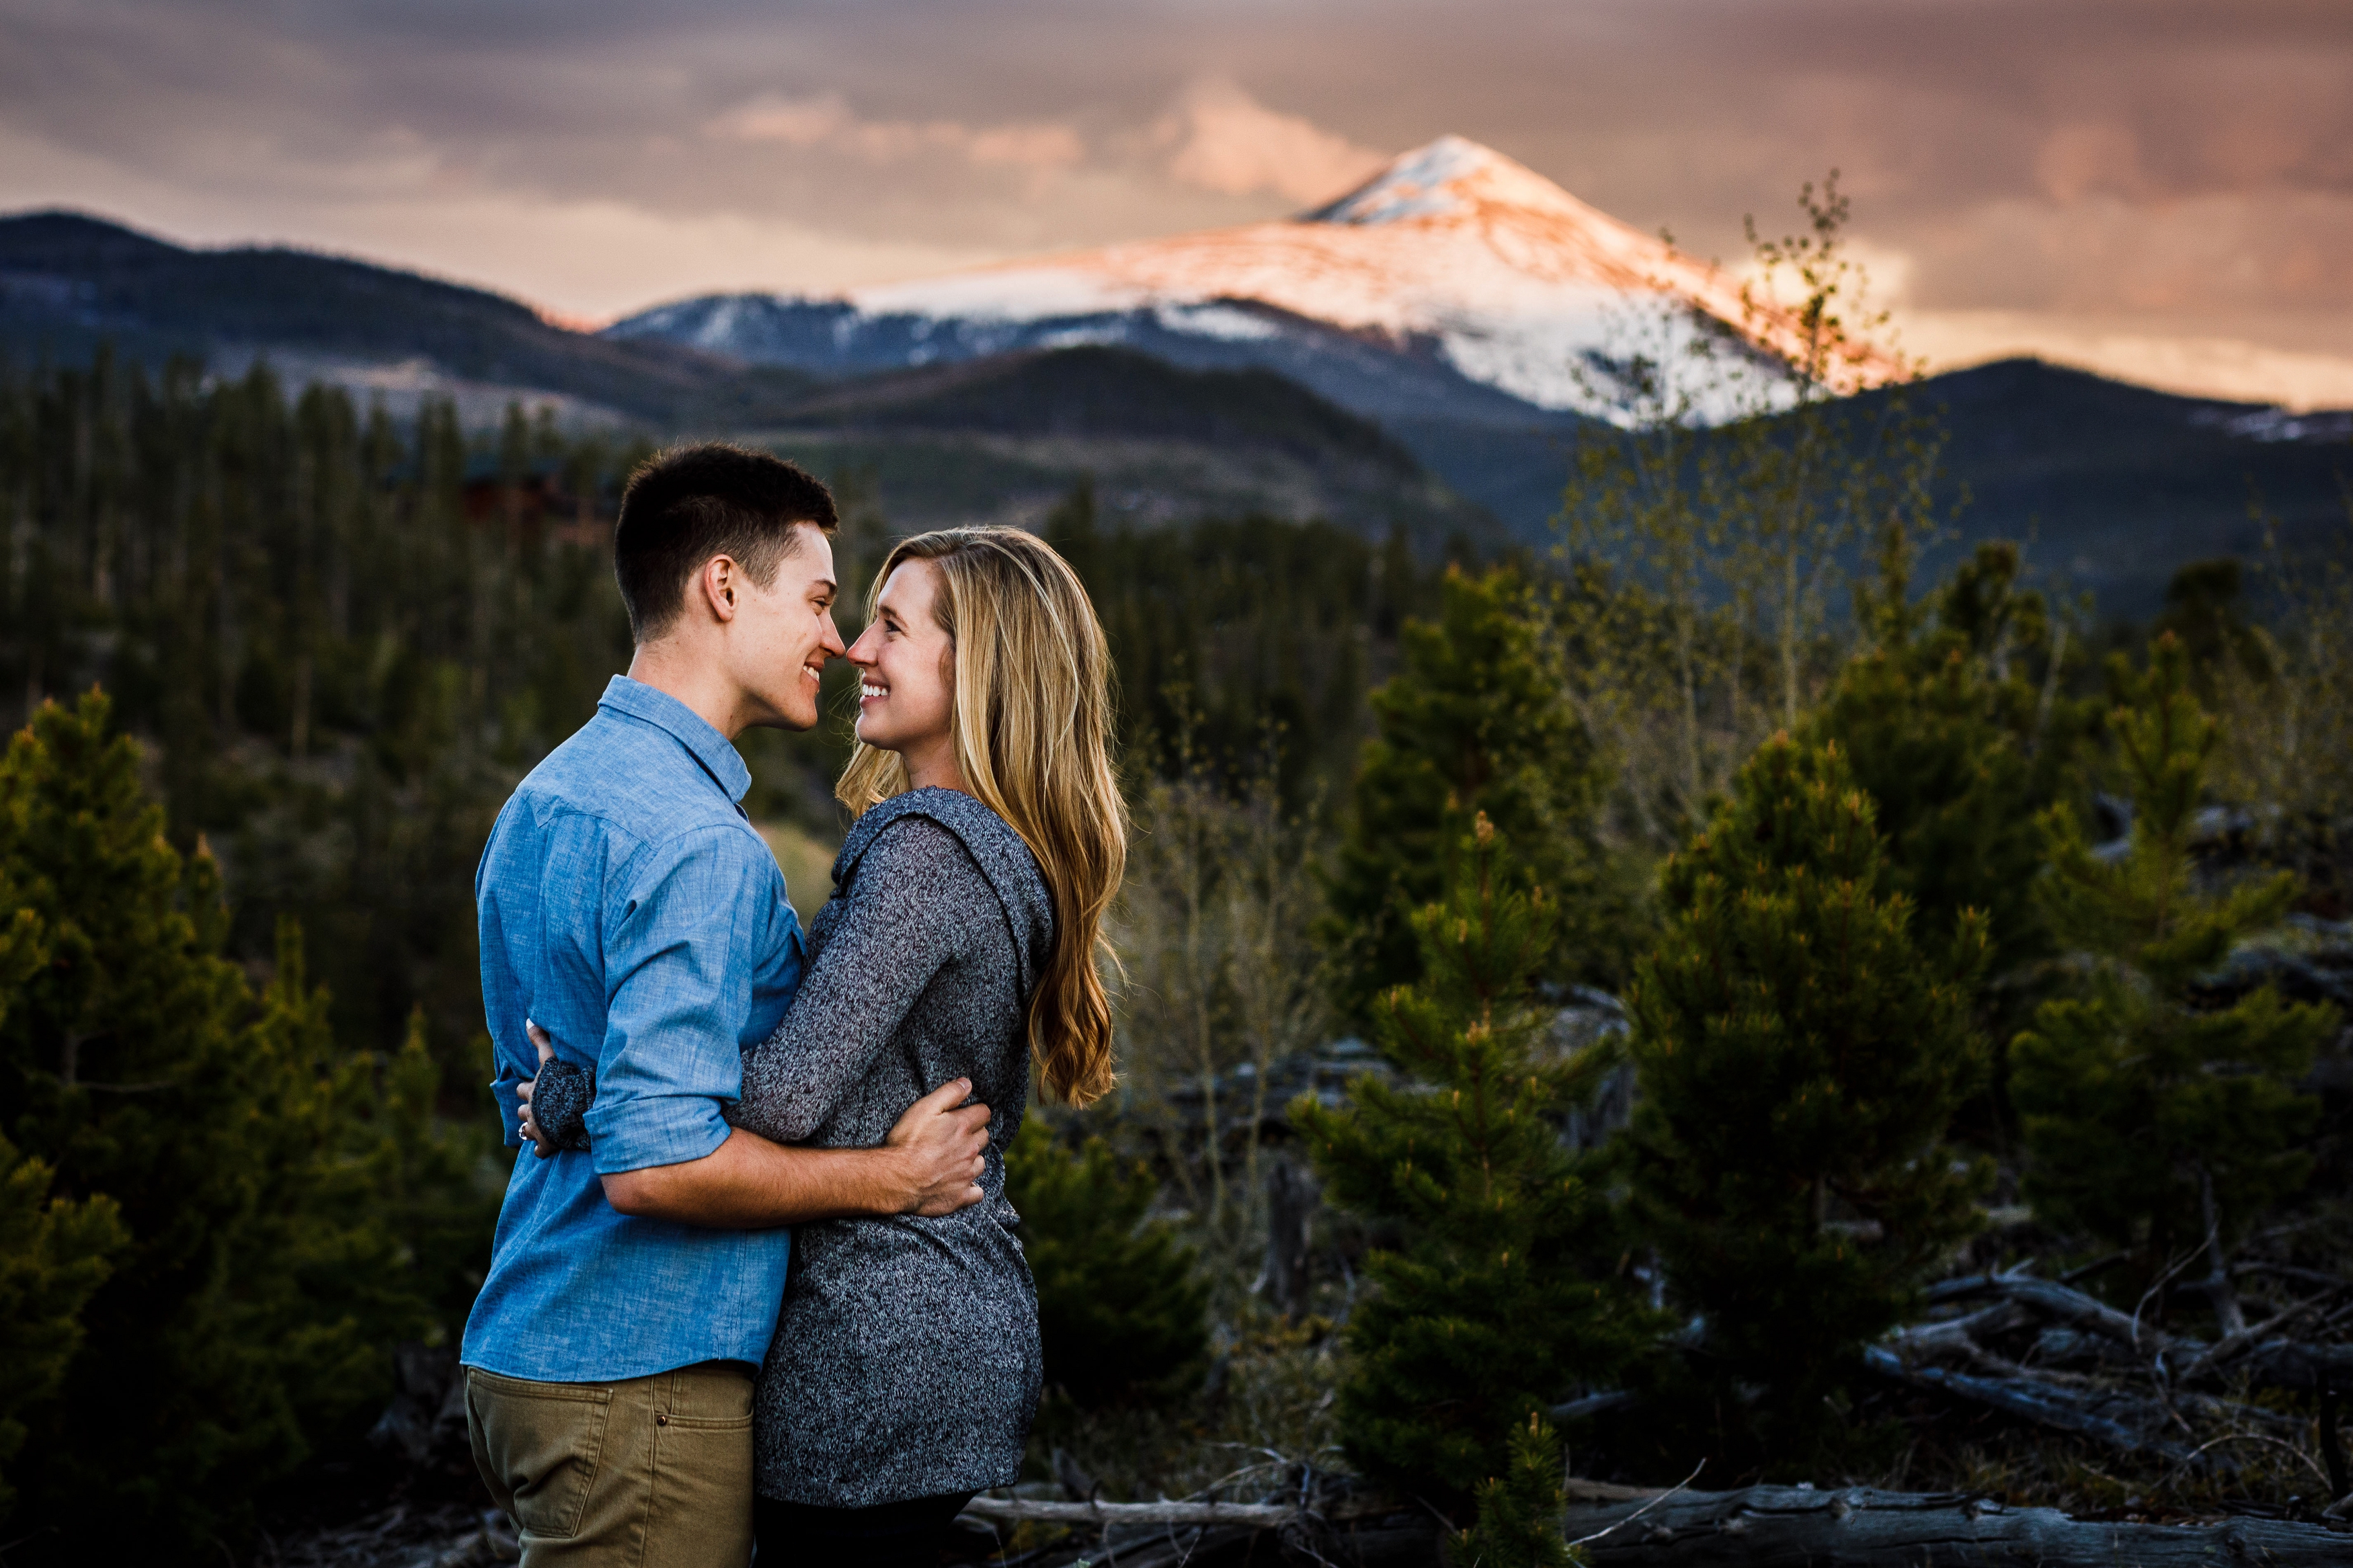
560,1103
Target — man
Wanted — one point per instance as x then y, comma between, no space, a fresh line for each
627,905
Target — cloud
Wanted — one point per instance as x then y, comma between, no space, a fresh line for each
2079,160
1225,141
2177,171
827,122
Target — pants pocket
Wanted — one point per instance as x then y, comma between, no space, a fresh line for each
701,1511
543,1443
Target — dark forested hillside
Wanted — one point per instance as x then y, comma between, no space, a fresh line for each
344,638
69,283
1002,438
2116,487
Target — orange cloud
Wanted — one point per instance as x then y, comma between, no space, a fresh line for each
827,122
1225,141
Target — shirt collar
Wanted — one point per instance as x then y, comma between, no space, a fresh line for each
707,745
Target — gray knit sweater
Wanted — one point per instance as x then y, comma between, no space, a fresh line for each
905,1362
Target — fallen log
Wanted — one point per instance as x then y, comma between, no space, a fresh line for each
1796,1527
2062,1304
2115,1421
2268,1361
2309,1369
1259,1516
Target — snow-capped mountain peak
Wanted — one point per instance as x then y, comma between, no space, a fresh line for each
1454,261
1442,180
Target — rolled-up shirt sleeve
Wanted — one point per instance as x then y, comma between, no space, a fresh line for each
681,936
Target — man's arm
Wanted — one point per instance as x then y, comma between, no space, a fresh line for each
930,1165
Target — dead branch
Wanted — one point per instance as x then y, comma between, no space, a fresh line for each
2060,1303
1791,1526
1261,1516
2115,1421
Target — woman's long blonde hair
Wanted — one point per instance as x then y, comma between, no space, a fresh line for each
1032,722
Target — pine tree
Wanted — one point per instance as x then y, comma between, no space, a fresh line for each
314,1272
122,1073
1473,722
1800,1057
1489,1307
2149,1123
1520,1511
1121,1303
252,1309
426,1193
53,1252
1957,749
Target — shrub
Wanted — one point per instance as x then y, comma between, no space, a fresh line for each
1474,722
1490,1309
1800,1057
1121,1309
2149,1123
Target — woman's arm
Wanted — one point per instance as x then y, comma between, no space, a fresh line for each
916,902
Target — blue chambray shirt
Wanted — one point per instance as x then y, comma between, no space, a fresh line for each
627,905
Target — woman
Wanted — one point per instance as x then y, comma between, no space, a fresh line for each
959,942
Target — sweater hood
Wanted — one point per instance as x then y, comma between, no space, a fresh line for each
1005,861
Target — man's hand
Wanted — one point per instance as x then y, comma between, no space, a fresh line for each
931,1165
939,1144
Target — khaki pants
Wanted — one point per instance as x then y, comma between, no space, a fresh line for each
652,1472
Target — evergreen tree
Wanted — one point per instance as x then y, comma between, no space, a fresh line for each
53,1252
1489,1308
2149,1123
435,1185
122,1073
1800,1056
1958,749
1121,1305
1520,1511
250,1312
1474,722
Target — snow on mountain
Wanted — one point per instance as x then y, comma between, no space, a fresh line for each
1452,276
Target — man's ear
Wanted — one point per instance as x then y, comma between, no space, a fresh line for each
718,586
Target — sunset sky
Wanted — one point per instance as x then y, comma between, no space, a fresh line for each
2163,191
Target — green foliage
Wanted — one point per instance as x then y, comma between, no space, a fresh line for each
1121,1306
250,1313
1520,1511
2204,612
1228,630
344,639
1474,722
1800,1054
53,1253
1959,747
435,1183
1490,1306
2148,1122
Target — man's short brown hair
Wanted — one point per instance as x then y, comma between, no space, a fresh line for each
690,503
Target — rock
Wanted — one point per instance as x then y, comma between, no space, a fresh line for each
428,1413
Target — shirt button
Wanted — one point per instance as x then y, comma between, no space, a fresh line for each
661,1420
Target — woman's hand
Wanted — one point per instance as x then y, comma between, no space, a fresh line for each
541,1142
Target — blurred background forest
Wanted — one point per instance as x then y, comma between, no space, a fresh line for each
1832,951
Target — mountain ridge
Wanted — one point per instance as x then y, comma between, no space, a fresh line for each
69,281
1452,256
2119,483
